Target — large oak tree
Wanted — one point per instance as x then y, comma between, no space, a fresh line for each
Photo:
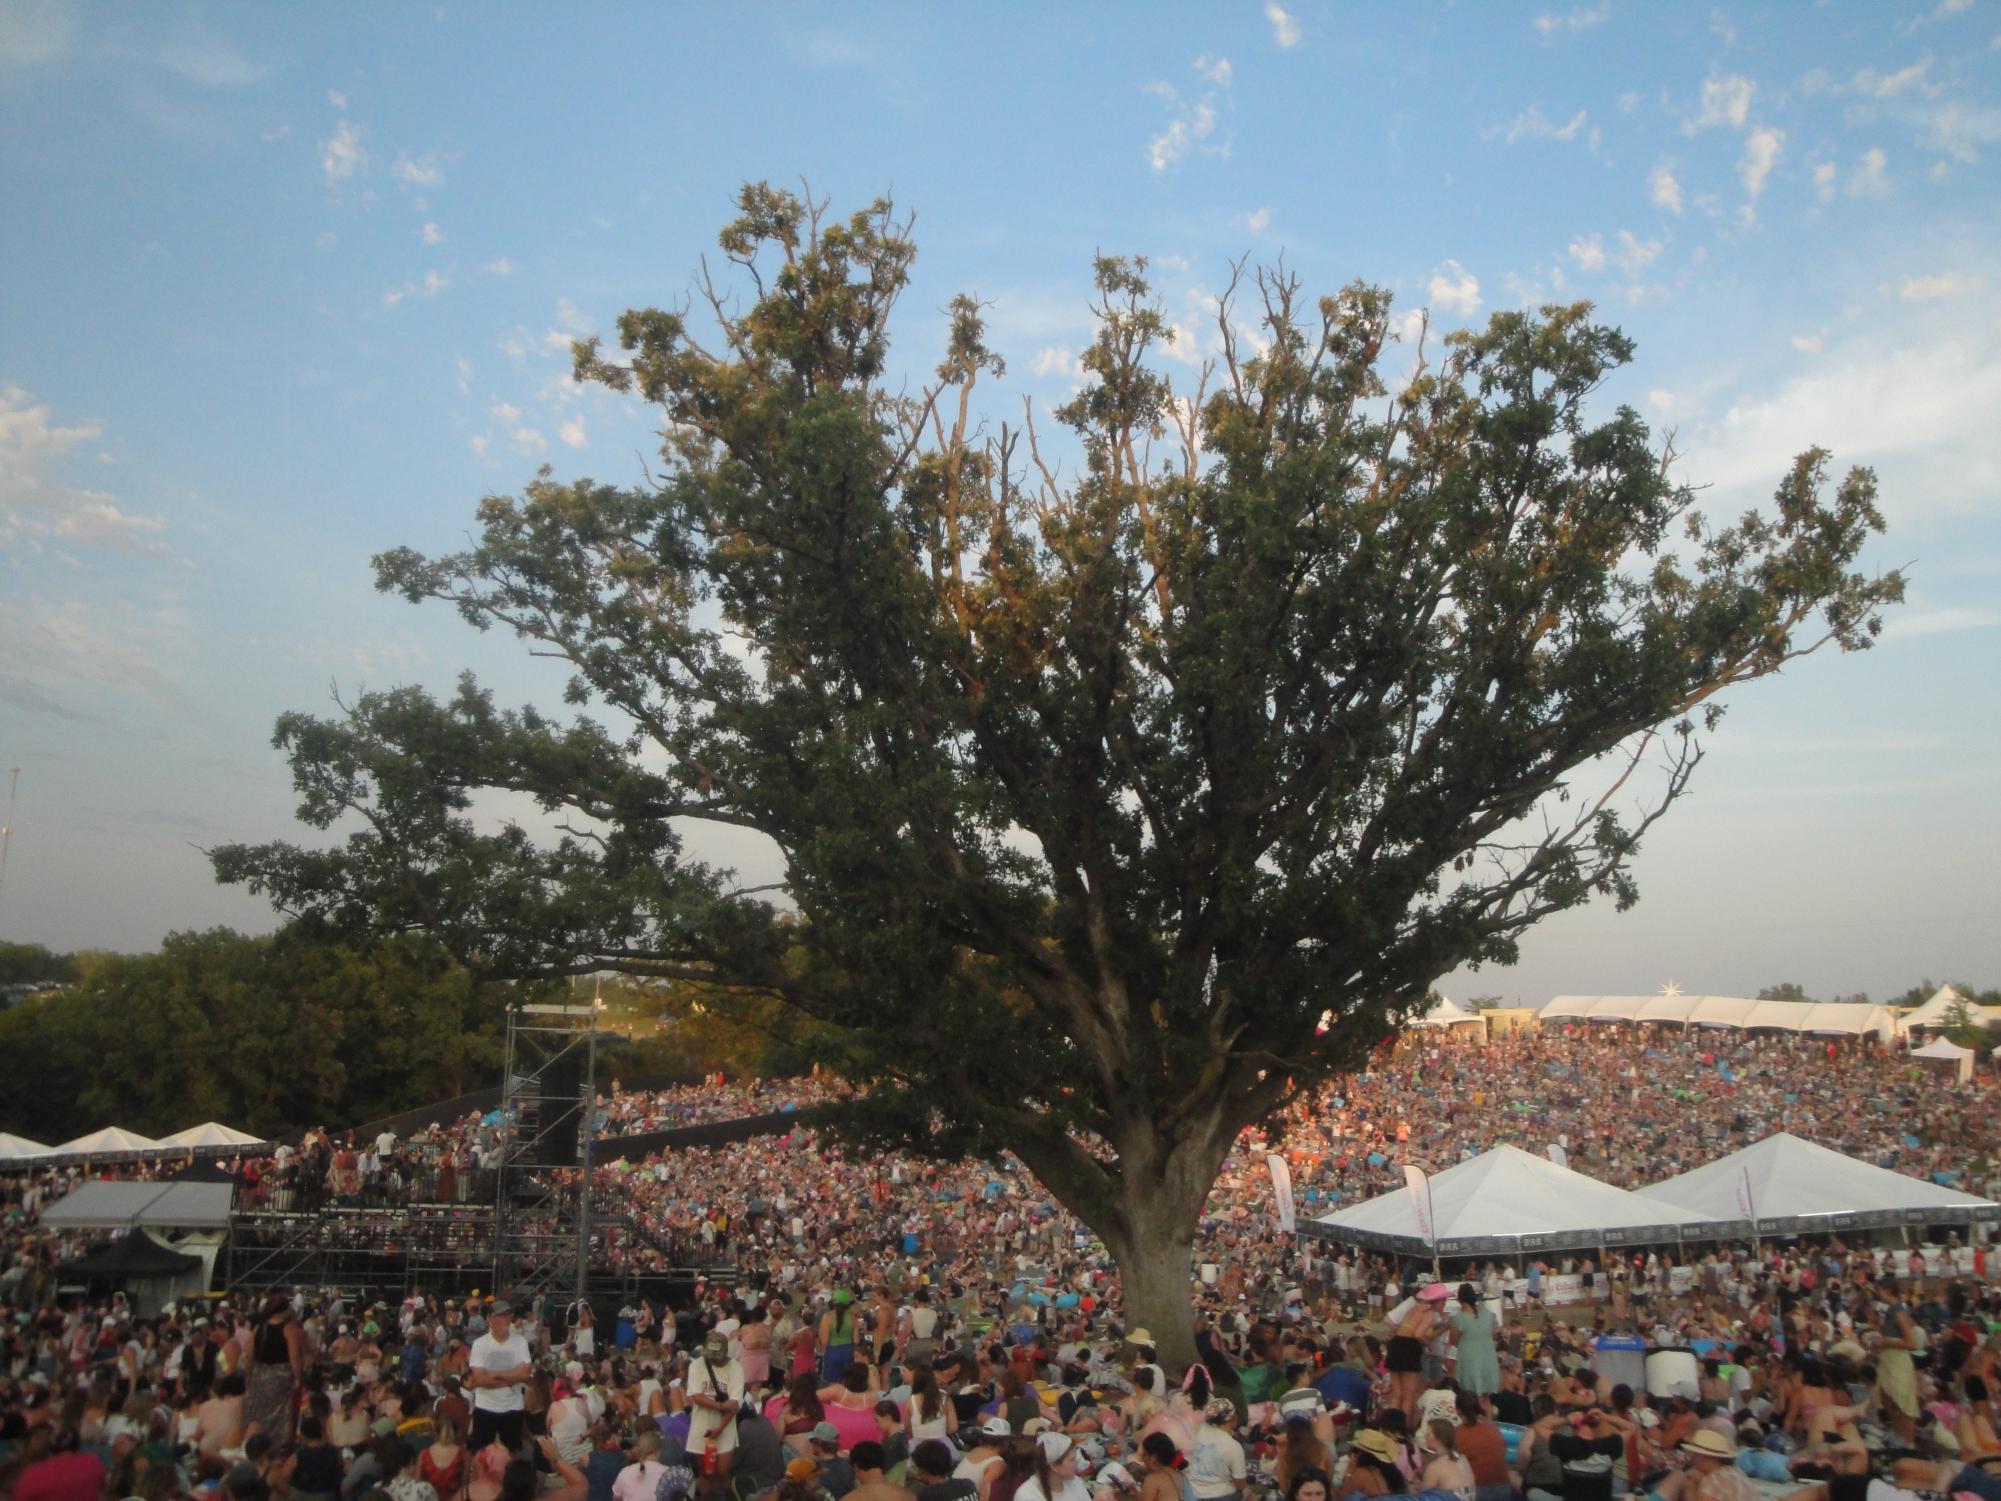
1119,790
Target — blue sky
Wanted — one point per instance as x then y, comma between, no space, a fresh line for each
285,286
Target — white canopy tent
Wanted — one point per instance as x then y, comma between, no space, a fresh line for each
1445,1014
18,1149
111,1141
1945,1050
210,1136
1818,1018
1784,1184
1508,1200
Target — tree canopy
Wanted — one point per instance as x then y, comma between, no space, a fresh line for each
1124,778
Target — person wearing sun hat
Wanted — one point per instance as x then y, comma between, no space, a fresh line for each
1372,1465
1712,1473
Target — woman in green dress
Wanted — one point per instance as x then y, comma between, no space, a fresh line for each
1478,1369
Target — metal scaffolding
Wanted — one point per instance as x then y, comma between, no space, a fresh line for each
542,1207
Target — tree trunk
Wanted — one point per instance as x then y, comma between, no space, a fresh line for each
1156,1263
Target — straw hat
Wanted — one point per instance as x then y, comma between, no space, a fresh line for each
1710,1443
1376,1444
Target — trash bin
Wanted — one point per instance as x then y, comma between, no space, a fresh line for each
1671,1373
1621,1358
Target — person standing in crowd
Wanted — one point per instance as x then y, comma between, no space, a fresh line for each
715,1390
498,1373
274,1373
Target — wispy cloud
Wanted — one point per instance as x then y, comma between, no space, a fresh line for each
1762,148
1192,122
433,283
1533,125
419,172
1577,18
1258,220
1215,69
430,234
1663,190
1284,25
343,155
1726,100
37,506
1941,287
499,266
821,48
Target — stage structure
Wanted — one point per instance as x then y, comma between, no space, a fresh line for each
542,1229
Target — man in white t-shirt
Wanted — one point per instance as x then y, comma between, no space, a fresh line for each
714,1387
498,1369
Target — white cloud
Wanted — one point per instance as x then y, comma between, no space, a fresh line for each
499,266
1588,252
1284,25
1216,69
465,376
1455,289
1634,255
1721,28
1824,175
479,445
1259,220
1923,415
505,411
1663,401
1944,11
1889,85
36,506
1906,625
1578,18
1664,190
1761,153
1945,286
336,98
1194,124
1958,132
430,234
423,172
1629,101
433,283
1871,179
343,155
1726,100
1810,343
527,440
122,645
1054,359
572,432
1533,125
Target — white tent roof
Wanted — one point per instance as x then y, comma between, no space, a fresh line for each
1496,1199
19,1148
1445,1014
211,1134
1942,1047
1831,1018
103,1204
1793,1180
105,1143
1938,1011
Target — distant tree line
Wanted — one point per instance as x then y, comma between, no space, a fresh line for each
277,1033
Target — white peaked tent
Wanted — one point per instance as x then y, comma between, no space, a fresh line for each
20,1149
1509,1200
1945,1050
210,1136
1936,1012
111,1141
1800,1185
1444,1014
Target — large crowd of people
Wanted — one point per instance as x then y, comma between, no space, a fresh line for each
896,1328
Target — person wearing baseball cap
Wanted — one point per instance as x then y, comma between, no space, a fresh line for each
497,1374
715,1389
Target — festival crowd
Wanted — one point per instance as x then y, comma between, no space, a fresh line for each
896,1329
